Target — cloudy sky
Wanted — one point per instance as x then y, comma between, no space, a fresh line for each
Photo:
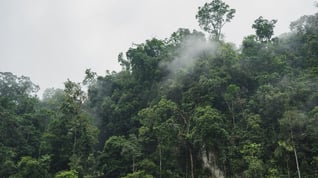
53,40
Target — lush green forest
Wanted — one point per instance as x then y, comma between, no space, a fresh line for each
188,106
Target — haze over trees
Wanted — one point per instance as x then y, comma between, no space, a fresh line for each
186,106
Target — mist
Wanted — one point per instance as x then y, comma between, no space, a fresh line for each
191,49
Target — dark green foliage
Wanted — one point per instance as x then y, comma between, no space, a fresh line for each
264,28
20,124
30,167
139,174
72,131
213,16
181,107
67,174
220,115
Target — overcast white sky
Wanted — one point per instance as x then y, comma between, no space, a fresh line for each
53,40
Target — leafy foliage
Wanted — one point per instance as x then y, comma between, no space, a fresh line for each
213,16
264,28
185,106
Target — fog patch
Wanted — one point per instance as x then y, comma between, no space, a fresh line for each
189,52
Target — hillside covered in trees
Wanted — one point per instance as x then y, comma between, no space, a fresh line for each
188,106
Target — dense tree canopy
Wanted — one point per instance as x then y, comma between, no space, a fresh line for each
182,107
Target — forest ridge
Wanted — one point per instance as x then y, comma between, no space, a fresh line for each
188,106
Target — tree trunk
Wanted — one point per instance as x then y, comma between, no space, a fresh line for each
230,107
297,164
233,116
191,162
160,162
74,142
288,172
295,153
133,166
187,167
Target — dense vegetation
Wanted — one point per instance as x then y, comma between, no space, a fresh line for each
186,106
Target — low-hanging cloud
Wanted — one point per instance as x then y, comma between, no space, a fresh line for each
190,51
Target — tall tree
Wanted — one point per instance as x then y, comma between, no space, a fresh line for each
20,128
264,29
72,130
213,16
158,123
292,125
